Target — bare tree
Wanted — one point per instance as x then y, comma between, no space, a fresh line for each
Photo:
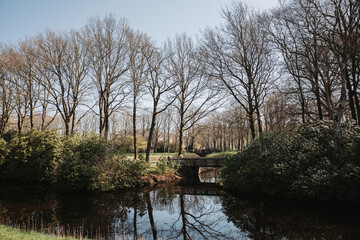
108,64
194,99
339,31
76,71
6,90
238,54
65,56
286,41
325,32
37,77
20,98
158,85
27,76
137,71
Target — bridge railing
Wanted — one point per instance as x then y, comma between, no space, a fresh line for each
201,162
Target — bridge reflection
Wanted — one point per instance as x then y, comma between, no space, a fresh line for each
205,189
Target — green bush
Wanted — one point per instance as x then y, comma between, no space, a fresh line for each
248,170
161,165
73,163
165,165
301,164
90,165
126,143
32,157
115,173
9,135
3,151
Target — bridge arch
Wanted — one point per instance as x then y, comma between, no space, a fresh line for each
189,167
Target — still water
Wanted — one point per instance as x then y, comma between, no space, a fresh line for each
188,211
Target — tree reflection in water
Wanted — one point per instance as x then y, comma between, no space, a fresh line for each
200,218
267,220
186,216
181,212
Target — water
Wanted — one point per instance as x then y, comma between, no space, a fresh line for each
200,211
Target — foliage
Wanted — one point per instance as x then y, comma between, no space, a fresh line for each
166,165
3,151
162,146
161,165
115,173
299,165
32,157
72,163
9,135
89,164
126,144
142,157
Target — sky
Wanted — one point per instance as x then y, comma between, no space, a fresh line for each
160,19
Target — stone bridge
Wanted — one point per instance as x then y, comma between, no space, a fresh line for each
201,162
189,167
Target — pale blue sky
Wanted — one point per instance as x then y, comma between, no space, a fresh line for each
158,18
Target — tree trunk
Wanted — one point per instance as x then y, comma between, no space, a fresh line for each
106,126
168,137
135,220
151,132
67,126
183,216
337,119
151,217
337,135
156,140
134,129
181,131
351,97
19,123
101,117
252,125
259,120
73,122
106,119
31,115
317,91
43,116
357,104
302,102
355,86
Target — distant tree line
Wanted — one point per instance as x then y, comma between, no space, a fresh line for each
256,72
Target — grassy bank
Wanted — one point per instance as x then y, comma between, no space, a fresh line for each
8,233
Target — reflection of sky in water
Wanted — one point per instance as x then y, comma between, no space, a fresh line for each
207,211
204,219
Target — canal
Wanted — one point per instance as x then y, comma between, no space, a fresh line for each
186,211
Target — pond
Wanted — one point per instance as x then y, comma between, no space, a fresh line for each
187,211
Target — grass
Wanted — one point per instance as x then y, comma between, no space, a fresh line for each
222,154
8,233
